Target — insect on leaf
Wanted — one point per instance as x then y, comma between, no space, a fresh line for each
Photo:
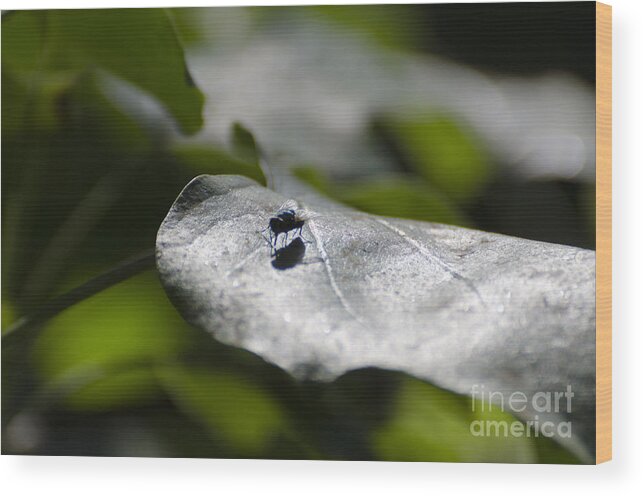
452,306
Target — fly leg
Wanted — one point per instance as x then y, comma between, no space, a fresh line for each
302,236
268,239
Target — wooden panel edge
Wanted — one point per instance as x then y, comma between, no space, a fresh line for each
603,232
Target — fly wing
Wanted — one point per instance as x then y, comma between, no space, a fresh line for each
289,205
305,214
301,212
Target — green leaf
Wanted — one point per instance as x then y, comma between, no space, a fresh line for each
315,178
394,26
431,424
77,150
189,25
138,45
28,95
14,97
210,160
234,410
86,106
396,196
244,145
403,198
443,152
23,35
108,389
35,108
116,337
8,314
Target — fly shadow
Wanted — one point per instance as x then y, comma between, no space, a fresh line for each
290,255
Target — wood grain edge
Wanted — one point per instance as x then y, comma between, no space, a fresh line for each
603,232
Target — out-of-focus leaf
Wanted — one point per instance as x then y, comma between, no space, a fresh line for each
124,325
315,178
234,410
111,389
448,156
202,159
550,451
13,106
72,178
186,21
86,105
244,145
389,25
537,126
8,315
431,424
70,154
452,306
33,106
139,45
23,35
396,196
402,198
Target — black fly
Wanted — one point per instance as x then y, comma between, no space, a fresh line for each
286,219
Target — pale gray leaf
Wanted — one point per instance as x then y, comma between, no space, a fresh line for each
453,306
314,106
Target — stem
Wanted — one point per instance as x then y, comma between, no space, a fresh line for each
90,288
84,216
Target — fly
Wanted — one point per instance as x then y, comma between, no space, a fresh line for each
286,220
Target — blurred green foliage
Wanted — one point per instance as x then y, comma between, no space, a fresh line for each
247,417
138,45
443,153
199,157
430,423
244,145
142,332
383,27
86,180
434,424
395,196
443,169
403,197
